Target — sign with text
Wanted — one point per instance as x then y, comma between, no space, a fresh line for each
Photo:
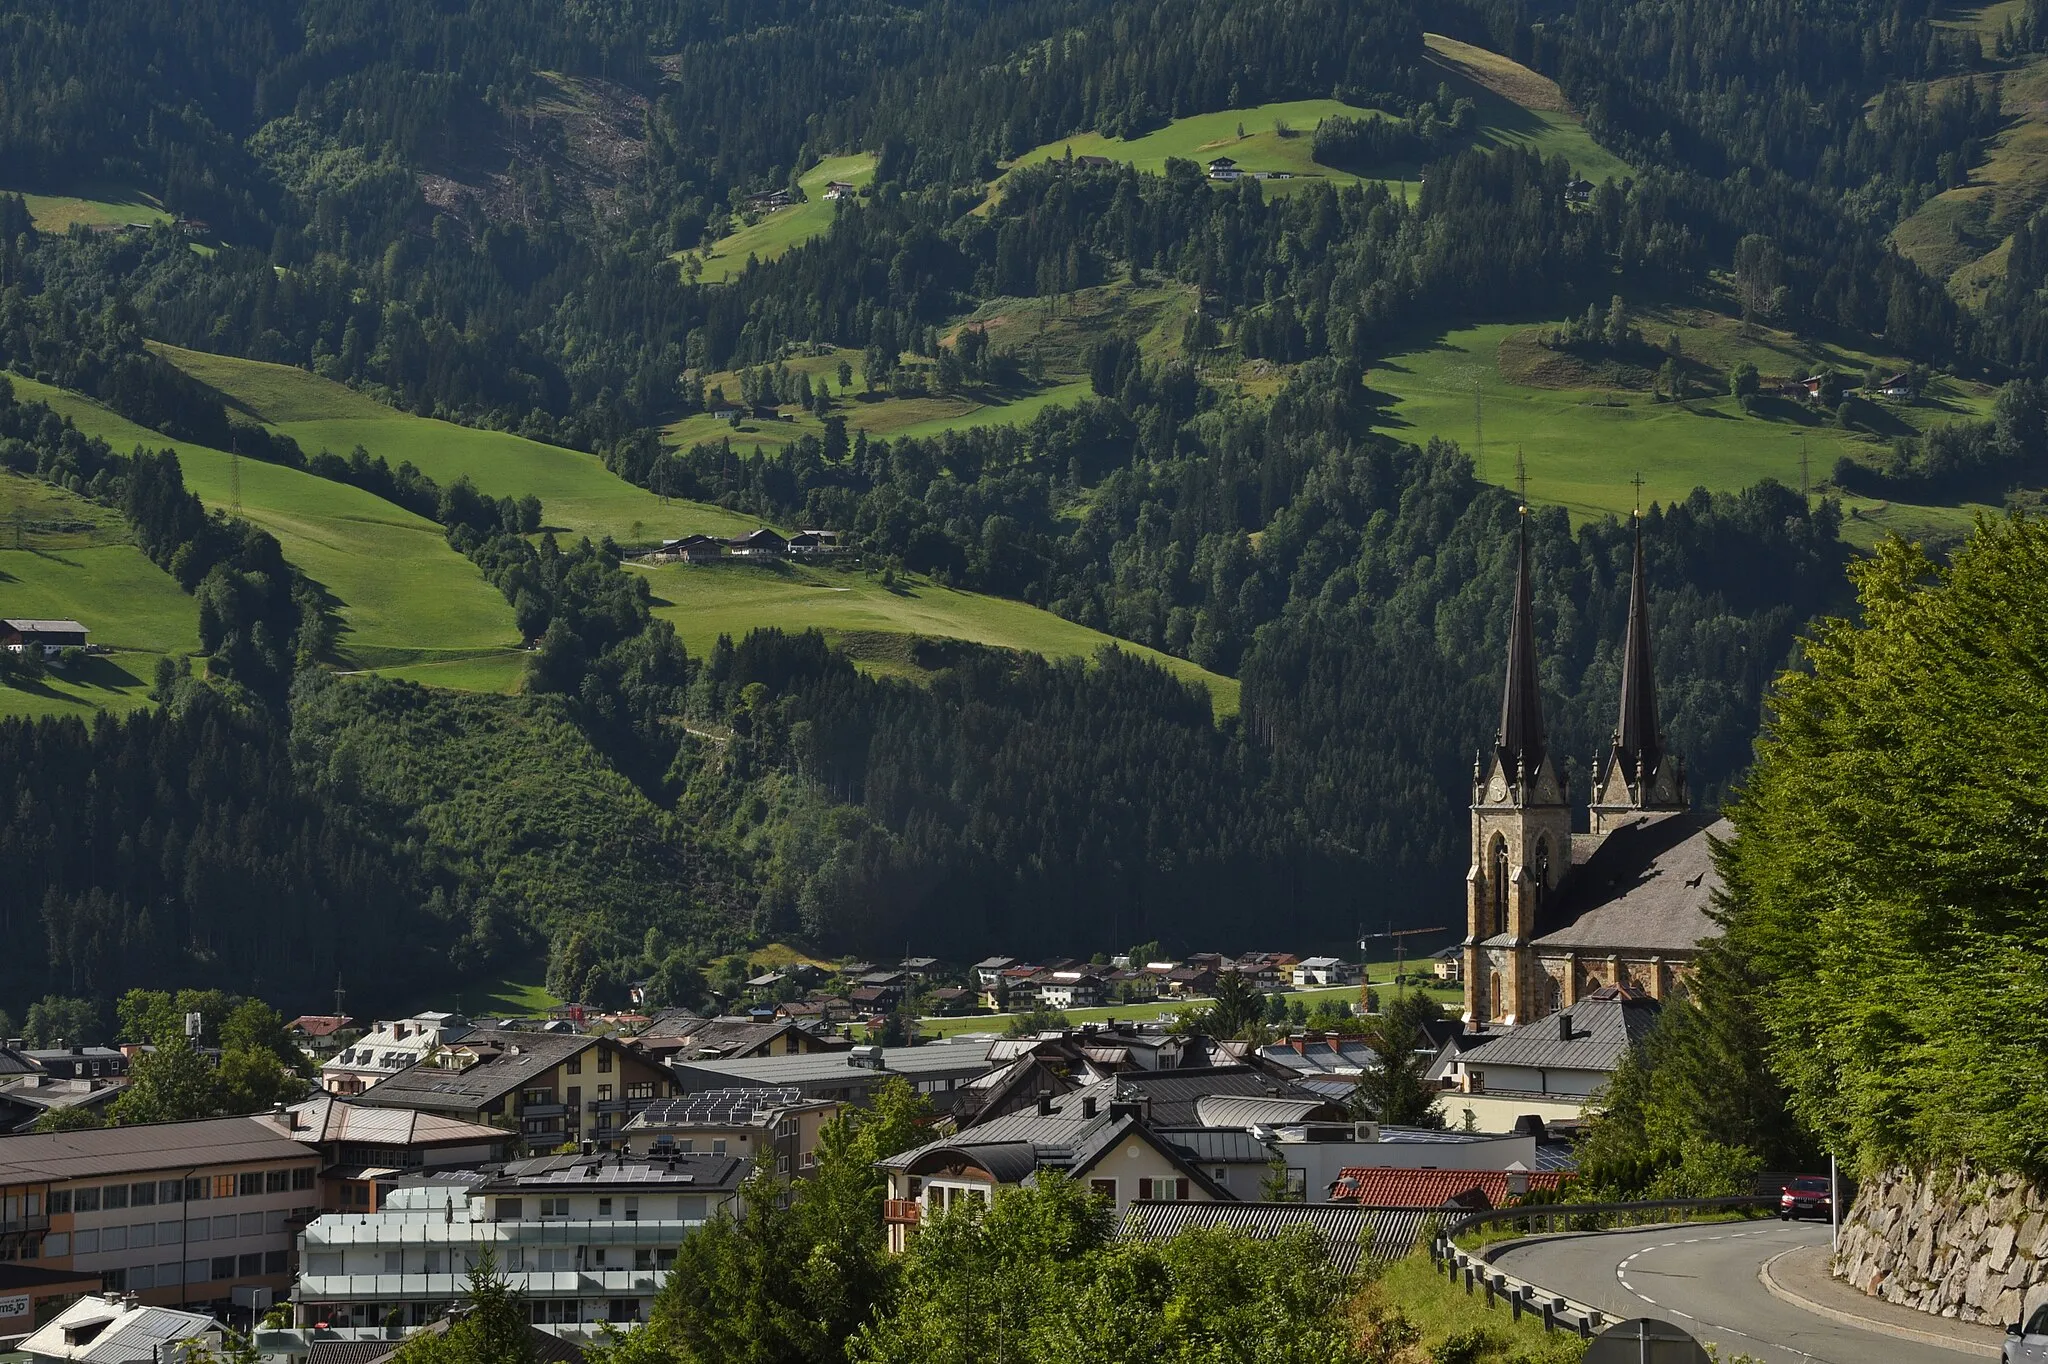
12,1307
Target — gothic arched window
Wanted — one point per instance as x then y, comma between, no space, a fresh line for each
1553,992
1542,868
1499,881
1496,996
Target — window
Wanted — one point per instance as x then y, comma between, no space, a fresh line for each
142,1234
686,1145
554,1207
197,1230
632,1210
434,1259
277,1181
57,1244
302,1178
1500,884
604,1094
394,1262
511,1209
1162,1190
643,1259
718,1146
664,1258
224,1227
114,1196
1103,1188
113,1238
604,1207
113,1281
60,1201
251,1224
167,1233
534,1098
85,1242
249,1185
169,1191
643,1090
274,1262
604,1061
142,1195
141,1277
223,1186
1542,867
1297,1185
574,1065
552,1259
85,1200
250,1265
575,1093
223,1268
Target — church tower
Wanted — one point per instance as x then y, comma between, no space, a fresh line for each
1638,776
1521,834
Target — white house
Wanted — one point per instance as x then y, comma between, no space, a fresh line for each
96,1330
389,1048
585,1239
1324,971
1550,1067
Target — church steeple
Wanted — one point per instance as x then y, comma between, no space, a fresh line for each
1637,742
1519,744
1638,776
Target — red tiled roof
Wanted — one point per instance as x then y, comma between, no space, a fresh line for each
1379,1186
321,1025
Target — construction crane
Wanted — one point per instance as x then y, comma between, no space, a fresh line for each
1397,936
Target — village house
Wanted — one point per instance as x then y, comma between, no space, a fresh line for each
389,1048
1550,1067
366,1152
835,190
1224,168
179,1214
697,549
116,1330
759,544
936,1070
544,1087
777,1129
1314,971
22,633
1093,163
986,971
584,1240
1081,988
319,1035
728,1037
1406,1187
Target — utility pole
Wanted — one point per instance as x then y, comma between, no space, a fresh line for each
1638,481
1521,478
1478,432
1400,949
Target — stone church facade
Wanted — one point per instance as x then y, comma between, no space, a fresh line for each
1553,914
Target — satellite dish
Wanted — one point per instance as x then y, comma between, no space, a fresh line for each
1645,1341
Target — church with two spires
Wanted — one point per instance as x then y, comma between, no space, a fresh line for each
1554,913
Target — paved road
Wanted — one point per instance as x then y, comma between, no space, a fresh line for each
1704,1279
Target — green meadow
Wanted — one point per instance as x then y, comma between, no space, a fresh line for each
1586,431
93,206
874,623
403,595
1519,107
576,491
86,572
776,232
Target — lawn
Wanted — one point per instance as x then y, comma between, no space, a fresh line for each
1381,974
93,206
776,232
1517,107
1442,1311
577,493
853,607
1586,431
404,596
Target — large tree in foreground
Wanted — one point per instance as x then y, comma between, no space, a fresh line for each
1888,888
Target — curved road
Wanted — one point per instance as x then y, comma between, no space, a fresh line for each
1704,1278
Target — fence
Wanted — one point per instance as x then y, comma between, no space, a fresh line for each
1558,1312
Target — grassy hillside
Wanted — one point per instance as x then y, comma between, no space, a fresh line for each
877,624
63,557
776,232
1517,107
1587,430
404,596
93,206
578,492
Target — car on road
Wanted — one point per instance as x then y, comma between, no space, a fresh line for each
2029,1343
1806,1196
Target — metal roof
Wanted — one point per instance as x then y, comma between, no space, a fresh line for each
91,1152
507,1060
1209,1146
1604,1026
555,1173
1649,887
131,1333
1173,1095
1234,1110
328,1118
29,623
934,1058
722,1108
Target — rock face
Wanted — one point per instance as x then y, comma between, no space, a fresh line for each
1952,1242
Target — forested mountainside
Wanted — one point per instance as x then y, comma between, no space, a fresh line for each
477,212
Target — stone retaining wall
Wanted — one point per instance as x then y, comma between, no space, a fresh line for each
1954,1243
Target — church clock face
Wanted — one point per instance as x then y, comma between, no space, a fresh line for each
1499,789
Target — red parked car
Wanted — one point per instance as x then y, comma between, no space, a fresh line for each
1806,1196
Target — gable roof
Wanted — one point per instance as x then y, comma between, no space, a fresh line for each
144,1146
547,1349
127,1333
506,1060
1172,1097
1648,886
1350,1233
328,1118
1390,1187
1604,1026
1014,1147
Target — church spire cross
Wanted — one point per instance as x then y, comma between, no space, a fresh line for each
1636,741
1520,741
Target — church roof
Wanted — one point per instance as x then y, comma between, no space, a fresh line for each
1519,744
1649,886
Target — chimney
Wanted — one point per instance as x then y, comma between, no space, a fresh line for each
1564,1027
1044,1104
1518,1180
1088,1106
1127,1110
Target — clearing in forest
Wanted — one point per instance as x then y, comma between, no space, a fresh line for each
578,494
403,595
880,626
1586,429
774,232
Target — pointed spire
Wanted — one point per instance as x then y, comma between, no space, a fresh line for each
1636,740
1520,742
